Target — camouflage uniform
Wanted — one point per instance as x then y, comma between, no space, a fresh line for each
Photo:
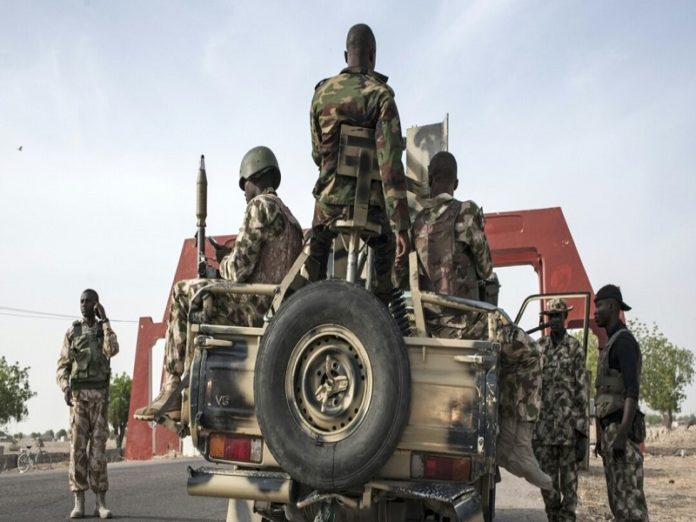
563,413
454,256
624,476
267,244
89,428
360,98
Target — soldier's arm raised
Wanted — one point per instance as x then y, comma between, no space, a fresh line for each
111,346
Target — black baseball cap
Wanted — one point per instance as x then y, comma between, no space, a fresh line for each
611,292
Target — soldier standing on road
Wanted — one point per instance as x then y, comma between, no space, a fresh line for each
560,436
359,96
616,404
455,260
267,244
83,375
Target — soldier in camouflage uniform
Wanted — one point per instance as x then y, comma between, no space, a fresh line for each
616,404
561,432
267,244
455,259
359,96
83,376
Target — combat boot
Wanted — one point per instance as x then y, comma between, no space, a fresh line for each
79,508
147,413
522,462
101,510
506,441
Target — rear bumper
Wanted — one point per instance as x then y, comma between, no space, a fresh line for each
267,486
461,502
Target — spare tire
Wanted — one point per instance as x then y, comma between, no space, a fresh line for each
332,385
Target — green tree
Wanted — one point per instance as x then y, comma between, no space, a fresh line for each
48,435
61,433
667,370
14,391
119,402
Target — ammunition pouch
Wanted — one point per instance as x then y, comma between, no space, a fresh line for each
636,433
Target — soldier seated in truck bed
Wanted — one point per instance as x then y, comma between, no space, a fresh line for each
267,244
454,259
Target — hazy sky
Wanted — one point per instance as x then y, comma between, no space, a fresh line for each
589,106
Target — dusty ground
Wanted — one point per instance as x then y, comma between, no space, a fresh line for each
670,479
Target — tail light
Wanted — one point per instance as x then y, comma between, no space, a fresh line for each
438,467
241,448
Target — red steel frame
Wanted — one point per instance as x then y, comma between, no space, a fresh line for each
539,238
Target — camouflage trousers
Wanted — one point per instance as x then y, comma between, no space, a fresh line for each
89,430
520,360
559,463
222,308
624,479
384,245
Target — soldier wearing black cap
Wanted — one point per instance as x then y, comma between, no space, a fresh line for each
616,402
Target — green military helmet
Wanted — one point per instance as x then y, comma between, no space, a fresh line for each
258,160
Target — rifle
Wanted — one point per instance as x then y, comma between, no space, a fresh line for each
201,215
540,327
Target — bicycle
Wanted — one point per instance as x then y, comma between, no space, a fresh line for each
27,459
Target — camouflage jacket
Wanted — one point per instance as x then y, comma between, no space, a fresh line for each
267,244
452,246
361,98
563,394
453,253
65,359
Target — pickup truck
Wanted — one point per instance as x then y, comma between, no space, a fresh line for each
329,403
339,407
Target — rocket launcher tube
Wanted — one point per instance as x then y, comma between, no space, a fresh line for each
201,215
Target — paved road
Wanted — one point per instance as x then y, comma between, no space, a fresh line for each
156,491
148,491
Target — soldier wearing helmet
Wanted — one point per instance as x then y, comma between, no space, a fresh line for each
267,244
560,435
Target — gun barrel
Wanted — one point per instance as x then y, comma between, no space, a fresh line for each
540,327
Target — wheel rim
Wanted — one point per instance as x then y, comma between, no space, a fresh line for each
328,383
23,463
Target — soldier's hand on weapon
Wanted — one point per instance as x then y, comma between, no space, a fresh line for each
68,396
580,446
221,251
403,247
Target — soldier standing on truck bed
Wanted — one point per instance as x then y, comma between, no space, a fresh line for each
267,244
83,375
359,96
455,259
620,426
560,436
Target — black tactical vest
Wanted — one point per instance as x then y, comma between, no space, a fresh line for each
611,393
